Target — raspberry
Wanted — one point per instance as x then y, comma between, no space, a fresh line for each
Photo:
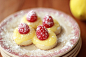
48,21
31,16
42,33
23,28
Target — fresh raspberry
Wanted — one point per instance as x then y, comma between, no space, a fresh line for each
48,21
23,28
31,16
42,33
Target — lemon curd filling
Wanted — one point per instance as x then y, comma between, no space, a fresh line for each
32,24
52,39
19,38
55,26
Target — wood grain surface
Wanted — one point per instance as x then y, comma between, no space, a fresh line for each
8,7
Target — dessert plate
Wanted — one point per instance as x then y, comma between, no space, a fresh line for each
78,48
4,55
72,53
67,39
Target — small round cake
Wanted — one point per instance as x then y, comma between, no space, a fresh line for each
44,39
32,19
23,35
51,24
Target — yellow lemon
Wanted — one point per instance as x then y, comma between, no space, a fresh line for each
78,8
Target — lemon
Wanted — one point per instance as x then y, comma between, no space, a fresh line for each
78,8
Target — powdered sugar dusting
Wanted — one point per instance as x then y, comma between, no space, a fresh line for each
23,28
31,13
48,21
42,32
31,16
64,37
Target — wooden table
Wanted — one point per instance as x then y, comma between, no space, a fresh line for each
8,7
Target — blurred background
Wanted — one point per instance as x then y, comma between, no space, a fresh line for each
8,7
